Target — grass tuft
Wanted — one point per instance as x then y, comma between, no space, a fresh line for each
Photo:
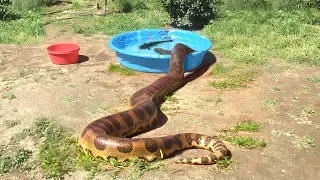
271,102
219,69
104,106
170,97
233,78
305,142
308,110
276,88
314,79
67,99
140,166
11,124
8,163
218,100
122,70
226,84
9,96
246,142
3,62
249,126
225,164
221,113
21,135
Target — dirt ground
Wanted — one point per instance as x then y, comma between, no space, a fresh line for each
73,95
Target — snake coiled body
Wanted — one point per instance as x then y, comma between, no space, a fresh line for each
108,136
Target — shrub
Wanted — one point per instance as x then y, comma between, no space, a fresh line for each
3,7
123,5
190,13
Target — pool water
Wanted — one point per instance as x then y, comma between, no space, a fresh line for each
135,48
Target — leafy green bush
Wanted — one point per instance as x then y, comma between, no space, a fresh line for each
3,7
190,13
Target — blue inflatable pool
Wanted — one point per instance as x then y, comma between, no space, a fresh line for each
130,55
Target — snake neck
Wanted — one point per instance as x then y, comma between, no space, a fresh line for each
178,55
164,85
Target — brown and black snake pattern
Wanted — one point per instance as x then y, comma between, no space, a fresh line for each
108,136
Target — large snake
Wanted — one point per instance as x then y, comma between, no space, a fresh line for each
109,136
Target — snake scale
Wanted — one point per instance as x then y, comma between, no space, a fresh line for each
109,136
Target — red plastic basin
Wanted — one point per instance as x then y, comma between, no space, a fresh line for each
64,53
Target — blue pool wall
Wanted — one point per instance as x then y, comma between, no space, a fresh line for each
150,61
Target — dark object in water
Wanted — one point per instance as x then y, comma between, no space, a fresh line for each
148,45
162,51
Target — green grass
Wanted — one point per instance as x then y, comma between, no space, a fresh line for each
308,110
226,84
280,68
286,5
304,142
232,81
11,124
8,163
249,126
276,88
221,113
141,166
28,29
67,99
225,164
121,70
22,73
76,5
232,76
314,79
170,98
20,136
60,154
72,86
246,142
253,37
104,106
3,62
9,96
271,102
218,100
220,68
151,15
